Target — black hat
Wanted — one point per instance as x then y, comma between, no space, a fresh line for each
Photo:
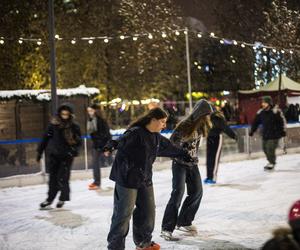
66,106
267,99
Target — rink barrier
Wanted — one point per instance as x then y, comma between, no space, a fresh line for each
248,144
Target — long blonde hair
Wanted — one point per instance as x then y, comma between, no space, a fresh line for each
187,127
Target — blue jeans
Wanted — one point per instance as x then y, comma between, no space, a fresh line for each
191,177
139,203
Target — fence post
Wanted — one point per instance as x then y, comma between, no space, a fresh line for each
247,141
85,155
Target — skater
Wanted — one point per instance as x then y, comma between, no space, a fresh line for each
214,144
187,134
273,128
98,129
132,173
62,141
287,238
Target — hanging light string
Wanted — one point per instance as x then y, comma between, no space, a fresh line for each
163,34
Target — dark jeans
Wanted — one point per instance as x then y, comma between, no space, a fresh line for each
98,161
140,203
269,147
181,176
59,175
213,153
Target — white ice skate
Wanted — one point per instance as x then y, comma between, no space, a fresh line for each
168,236
188,230
269,166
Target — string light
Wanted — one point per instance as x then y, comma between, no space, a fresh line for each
233,61
39,43
199,67
73,41
177,33
164,35
106,40
212,34
185,32
221,41
243,45
57,36
20,41
90,41
274,50
282,51
264,49
150,36
199,35
122,37
1,41
134,38
196,63
235,42
291,52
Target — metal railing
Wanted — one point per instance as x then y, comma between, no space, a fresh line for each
18,157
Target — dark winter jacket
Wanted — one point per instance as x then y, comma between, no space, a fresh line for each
283,240
137,151
62,139
272,121
201,108
219,126
101,134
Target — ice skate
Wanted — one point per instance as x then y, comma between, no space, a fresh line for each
168,236
46,205
269,166
152,246
60,204
93,186
188,229
209,181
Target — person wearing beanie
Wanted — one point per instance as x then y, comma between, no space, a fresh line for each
99,131
214,144
287,238
62,141
187,134
273,128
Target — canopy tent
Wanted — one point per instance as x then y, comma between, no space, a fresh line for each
250,101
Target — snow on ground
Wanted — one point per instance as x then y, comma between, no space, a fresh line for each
238,213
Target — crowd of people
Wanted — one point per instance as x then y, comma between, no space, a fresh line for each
136,152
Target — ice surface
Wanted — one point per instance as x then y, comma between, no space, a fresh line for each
238,213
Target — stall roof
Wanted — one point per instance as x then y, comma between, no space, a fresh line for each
45,94
286,84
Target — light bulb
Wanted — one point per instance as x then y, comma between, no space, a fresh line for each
235,42
150,36
134,38
212,34
122,37
243,45
106,40
20,41
38,42
73,41
164,35
221,41
91,41
177,33
199,35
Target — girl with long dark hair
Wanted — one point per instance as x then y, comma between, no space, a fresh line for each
187,134
62,141
132,173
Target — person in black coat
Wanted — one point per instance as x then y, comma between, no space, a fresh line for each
214,144
132,173
99,131
62,141
273,128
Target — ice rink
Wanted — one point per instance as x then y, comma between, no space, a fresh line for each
237,213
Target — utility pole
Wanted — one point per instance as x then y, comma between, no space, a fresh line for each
188,66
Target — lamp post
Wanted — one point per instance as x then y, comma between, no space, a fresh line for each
188,66
52,57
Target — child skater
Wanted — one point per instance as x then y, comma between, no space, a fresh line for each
214,144
62,140
132,173
187,134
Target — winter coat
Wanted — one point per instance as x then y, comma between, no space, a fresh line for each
272,121
62,139
99,131
201,108
219,126
283,239
137,151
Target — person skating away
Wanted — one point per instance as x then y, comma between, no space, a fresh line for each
99,131
214,144
187,134
132,173
287,238
273,128
62,141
